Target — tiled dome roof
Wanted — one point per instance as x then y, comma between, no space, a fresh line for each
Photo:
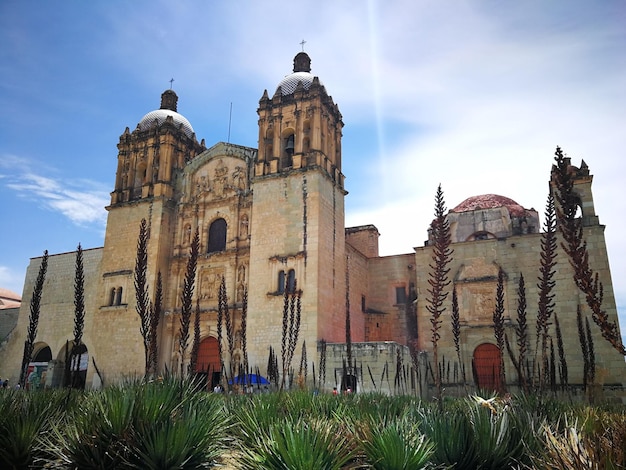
160,115
489,201
301,73
290,82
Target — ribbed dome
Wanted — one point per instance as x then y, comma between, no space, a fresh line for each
169,107
290,82
160,115
301,73
489,201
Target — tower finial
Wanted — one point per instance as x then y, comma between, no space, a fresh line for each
302,43
171,82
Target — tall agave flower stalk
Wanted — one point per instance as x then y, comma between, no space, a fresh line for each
292,314
348,330
229,322
521,333
187,299
546,286
438,279
322,369
244,328
155,318
563,376
302,373
272,367
285,333
141,289
552,367
195,348
456,333
582,338
33,319
575,246
221,304
79,318
498,325
592,356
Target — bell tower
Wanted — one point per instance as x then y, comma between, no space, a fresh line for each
149,160
297,228
299,126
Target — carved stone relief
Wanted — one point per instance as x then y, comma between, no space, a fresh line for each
477,302
243,227
476,283
239,178
210,280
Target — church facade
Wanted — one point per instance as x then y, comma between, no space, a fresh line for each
270,219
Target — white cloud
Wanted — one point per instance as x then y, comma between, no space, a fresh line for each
81,201
11,280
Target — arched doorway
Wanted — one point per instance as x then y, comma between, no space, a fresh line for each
74,368
208,364
348,383
486,366
37,372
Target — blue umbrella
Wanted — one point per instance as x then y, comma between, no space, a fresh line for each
253,379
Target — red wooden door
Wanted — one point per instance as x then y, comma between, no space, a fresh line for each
487,360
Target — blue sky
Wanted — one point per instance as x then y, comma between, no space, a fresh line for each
474,95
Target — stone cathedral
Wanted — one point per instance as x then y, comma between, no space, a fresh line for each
270,219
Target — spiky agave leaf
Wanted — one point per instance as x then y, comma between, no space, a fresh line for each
451,435
496,445
300,445
398,446
25,418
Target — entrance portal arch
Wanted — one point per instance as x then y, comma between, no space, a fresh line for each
37,372
208,363
486,365
74,372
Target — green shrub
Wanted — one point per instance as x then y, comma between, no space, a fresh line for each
398,446
298,445
452,436
25,417
141,425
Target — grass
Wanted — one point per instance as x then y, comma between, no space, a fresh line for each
171,424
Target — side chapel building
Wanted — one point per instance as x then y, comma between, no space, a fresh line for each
274,216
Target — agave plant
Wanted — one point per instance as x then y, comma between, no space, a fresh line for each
24,419
141,425
497,446
95,434
452,436
189,440
398,446
566,451
298,445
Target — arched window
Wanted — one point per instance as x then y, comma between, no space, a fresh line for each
43,355
217,236
112,296
291,281
281,282
289,142
118,299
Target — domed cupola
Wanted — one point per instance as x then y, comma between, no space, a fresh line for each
169,102
490,216
301,74
299,126
148,157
